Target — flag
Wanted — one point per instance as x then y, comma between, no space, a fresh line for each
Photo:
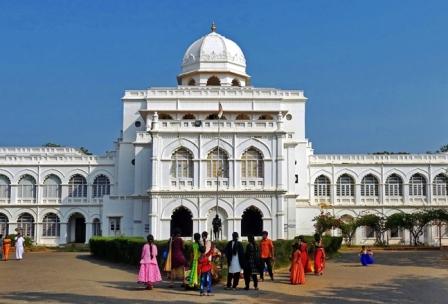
220,111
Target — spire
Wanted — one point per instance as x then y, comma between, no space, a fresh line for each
213,27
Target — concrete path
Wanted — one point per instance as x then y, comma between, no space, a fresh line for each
397,277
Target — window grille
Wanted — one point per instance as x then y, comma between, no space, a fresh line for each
50,225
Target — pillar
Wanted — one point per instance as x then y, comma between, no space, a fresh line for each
63,233
88,231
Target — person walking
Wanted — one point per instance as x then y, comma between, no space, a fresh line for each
6,248
303,246
319,255
267,255
1,247
235,260
177,258
297,275
149,269
20,241
253,263
197,249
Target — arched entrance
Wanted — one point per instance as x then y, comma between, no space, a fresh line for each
223,216
252,222
182,219
76,228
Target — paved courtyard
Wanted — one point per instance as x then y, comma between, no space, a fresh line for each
398,277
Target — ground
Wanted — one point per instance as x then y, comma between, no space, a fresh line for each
61,277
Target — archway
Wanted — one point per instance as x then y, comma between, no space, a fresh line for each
223,216
252,222
76,228
182,219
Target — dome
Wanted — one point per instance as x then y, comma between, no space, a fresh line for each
214,53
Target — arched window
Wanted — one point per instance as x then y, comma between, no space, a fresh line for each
252,222
322,186
165,116
5,187
27,187
242,116
417,185
236,83
394,185
52,187
101,186
25,223
252,164
217,163
182,222
191,82
4,224
214,116
189,116
77,186
345,186
51,226
369,186
265,117
96,227
213,81
182,164
440,185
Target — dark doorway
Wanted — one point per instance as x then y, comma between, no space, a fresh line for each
182,219
252,222
80,230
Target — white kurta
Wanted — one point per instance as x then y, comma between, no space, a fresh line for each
235,263
19,247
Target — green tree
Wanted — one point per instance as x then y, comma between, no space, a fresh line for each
348,229
53,145
443,149
415,223
377,223
84,151
324,222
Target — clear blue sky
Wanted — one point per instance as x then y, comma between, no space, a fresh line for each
375,72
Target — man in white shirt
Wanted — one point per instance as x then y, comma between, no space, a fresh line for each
20,241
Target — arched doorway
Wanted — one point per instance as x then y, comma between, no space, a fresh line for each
252,222
76,228
182,219
223,216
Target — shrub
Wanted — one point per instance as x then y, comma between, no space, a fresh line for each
128,249
12,237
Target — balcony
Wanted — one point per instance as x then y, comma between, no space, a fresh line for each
212,125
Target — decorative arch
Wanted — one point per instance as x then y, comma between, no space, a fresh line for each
8,174
21,211
49,172
212,144
397,172
210,204
213,81
349,172
19,175
256,144
165,116
266,117
189,116
320,172
350,212
167,211
74,172
252,221
66,217
371,171
192,82
262,206
236,83
46,211
417,171
177,144
97,172
242,116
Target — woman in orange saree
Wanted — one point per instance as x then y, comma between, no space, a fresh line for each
304,254
297,275
319,256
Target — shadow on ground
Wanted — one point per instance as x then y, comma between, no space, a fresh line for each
91,259
399,291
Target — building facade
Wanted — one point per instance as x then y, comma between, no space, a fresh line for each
212,146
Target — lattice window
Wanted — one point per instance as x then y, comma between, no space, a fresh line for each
440,185
217,163
77,186
52,187
345,186
25,224
369,186
5,187
27,187
50,225
394,185
252,164
322,186
101,186
417,185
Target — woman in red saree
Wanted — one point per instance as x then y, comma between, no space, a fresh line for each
304,254
297,275
319,256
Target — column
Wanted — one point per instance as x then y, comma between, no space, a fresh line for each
88,231
357,194
63,233
153,218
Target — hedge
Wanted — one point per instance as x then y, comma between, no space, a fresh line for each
128,249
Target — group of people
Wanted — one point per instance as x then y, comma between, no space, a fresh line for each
253,260
301,263
5,247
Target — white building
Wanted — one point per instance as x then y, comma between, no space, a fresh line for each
163,171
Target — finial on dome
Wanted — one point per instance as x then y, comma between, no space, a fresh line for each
213,27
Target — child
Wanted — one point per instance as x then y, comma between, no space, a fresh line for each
149,269
205,268
365,256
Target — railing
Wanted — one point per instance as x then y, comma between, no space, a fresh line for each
380,158
213,124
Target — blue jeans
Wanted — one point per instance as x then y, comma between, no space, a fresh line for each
206,281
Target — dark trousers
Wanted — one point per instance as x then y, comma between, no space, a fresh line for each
206,281
235,277
247,275
269,266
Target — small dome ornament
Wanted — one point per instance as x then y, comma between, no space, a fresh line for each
213,27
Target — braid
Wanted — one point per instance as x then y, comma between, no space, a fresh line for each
150,249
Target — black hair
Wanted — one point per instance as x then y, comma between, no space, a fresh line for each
204,233
251,238
150,239
317,237
264,233
197,237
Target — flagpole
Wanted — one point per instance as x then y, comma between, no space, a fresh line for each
218,170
